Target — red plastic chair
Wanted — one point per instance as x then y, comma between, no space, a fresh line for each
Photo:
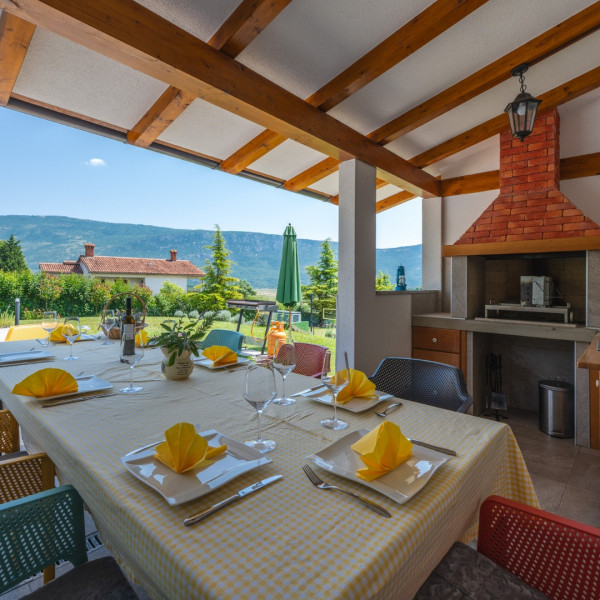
309,359
557,556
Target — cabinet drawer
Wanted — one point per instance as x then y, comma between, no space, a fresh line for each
441,357
440,340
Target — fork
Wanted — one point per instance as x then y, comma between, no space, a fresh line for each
318,482
388,409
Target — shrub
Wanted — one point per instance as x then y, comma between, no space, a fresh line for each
330,333
7,318
235,319
223,315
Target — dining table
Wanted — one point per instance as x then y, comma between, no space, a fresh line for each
289,540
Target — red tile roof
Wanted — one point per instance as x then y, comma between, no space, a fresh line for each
142,266
69,266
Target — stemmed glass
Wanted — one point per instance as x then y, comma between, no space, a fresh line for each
284,360
71,325
259,390
109,321
49,324
131,360
334,383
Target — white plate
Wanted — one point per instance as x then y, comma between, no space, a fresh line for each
207,363
177,488
24,356
356,405
400,485
86,385
84,337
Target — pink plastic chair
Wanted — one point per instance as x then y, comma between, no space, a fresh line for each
309,359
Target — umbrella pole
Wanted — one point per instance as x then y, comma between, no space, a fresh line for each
290,319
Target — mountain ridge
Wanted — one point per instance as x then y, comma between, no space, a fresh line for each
256,256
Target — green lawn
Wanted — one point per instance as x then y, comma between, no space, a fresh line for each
153,328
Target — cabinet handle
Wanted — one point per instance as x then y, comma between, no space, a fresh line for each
597,383
434,340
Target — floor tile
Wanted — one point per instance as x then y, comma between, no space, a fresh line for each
549,491
580,505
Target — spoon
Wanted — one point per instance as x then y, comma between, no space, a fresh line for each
389,409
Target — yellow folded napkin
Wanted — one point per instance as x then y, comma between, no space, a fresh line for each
382,450
360,386
57,334
141,338
184,449
220,355
46,382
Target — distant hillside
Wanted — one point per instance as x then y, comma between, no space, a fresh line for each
256,256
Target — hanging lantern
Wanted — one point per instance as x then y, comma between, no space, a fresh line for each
522,110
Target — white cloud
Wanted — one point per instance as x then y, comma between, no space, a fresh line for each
96,162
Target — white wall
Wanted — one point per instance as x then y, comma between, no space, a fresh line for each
154,282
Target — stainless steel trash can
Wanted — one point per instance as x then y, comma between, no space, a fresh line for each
556,408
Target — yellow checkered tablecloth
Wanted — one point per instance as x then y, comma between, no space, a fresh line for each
290,540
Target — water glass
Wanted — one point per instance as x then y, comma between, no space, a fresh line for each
132,360
71,332
109,321
284,361
49,324
259,390
334,383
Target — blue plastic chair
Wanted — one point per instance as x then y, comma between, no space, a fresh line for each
223,337
39,530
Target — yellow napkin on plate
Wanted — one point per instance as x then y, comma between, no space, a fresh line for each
183,449
57,334
382,450
220,355
360,386
141,338
46,382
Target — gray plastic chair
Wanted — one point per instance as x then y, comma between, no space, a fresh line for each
223,337
436,384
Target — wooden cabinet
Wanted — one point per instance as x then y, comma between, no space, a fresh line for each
447,346
594,409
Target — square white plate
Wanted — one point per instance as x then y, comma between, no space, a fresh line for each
177,488
400,485
84,337
86,385
32,355
356,405
206,362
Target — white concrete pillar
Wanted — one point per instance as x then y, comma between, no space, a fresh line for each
432,243
356,254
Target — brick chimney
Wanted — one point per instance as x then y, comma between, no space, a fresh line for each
173,255
89,249
530,205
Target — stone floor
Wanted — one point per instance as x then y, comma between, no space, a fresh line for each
566,478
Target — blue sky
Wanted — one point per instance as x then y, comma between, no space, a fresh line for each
51,169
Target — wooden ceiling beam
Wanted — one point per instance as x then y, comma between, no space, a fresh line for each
395,200
430,23
15,36
555,97
133,35
236,33
548,43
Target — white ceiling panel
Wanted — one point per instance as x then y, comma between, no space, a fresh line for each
482,37
580,125
556,70
329,185
481,157
201,18
61,73
386,191
211,130
287,160
312,41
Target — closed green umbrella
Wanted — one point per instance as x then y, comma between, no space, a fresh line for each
288,288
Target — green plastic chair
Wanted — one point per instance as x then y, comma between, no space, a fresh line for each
42,529
223,337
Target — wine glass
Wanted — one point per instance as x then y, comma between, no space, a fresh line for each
131,360
110,321
71,332
259,390
284,360
49,324
334,383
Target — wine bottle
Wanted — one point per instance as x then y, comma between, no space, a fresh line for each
128,331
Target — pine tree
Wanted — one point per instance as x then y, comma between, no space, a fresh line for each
383,281
11,256
323,282
218,286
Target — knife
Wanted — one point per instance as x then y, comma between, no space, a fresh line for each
432,447
241,494
312,389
